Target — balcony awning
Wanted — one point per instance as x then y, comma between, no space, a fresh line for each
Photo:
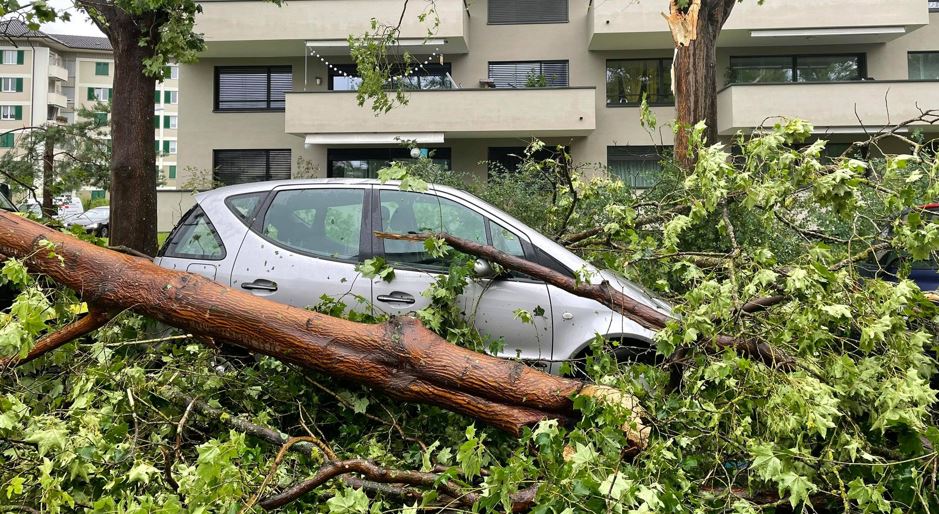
362,138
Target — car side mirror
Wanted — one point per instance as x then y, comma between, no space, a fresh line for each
483,269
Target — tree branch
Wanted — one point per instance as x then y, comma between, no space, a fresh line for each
92,321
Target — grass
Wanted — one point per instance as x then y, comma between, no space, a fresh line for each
161,238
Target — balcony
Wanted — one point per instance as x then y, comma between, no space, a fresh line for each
256,28
58,73
58,100
835,107
435,115
638,24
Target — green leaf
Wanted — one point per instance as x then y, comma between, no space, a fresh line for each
141,473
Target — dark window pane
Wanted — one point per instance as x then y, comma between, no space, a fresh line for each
923,65
366,162
529,74
628,80
505,12
638,166
252,87
761,69
324,222
508,158
345,77
243,166
828,68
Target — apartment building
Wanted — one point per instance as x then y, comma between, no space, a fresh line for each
273,94
50,78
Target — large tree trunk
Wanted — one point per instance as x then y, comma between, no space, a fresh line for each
133,157
400,357
695,31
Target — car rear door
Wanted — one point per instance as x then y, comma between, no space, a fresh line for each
305,243
488,304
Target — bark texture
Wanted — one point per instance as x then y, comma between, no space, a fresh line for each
695,30
133,179
401,357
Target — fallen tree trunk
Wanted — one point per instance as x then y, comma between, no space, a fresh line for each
606,294
400,357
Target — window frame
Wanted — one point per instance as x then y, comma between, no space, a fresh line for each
910,53
644,153
4,81
7,113
663,72
219,71
267,160
8,53
567,17
256,224
374,154
541,63
106,66
794,67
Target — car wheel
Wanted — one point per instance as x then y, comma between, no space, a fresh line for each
103,231
625,351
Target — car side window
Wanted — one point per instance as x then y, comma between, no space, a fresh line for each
321,222
245,206
404,212
195,238
505,240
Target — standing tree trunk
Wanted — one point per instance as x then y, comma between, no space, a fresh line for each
133,156
695,30
48,179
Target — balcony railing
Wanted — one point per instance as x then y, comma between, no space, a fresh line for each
639,24
58,100
849,107
448,113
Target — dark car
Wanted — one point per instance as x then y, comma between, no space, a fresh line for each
925,273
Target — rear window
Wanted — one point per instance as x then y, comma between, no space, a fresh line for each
245,207
195,238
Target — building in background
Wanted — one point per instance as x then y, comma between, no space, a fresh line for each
278,99
49,78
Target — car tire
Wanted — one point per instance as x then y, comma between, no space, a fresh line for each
103,231
626,351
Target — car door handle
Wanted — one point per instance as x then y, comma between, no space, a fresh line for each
260,285
396,297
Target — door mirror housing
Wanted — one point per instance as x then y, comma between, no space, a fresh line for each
483,269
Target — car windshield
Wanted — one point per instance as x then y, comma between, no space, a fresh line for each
5,204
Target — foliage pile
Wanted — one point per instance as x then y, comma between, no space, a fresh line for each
110,425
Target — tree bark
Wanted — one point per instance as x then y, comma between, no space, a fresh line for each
400,357
48,177
694,72
133,157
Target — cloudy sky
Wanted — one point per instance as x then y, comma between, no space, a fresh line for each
79,24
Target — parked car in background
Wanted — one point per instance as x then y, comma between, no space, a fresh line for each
31,207
95,221
297,240
67,206
888,264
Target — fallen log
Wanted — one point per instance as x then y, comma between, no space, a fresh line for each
605,294
401,357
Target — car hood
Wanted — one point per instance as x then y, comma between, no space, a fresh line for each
634,290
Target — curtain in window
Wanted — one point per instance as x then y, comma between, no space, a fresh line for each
637,166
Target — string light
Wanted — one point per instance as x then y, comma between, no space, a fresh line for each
396,78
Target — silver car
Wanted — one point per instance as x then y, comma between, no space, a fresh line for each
297,240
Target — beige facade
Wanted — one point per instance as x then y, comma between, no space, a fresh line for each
470,119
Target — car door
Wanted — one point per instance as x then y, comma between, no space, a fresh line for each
490,304
304,244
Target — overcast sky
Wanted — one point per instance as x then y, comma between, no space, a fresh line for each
78,25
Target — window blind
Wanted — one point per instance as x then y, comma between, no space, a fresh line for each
511,12
243,166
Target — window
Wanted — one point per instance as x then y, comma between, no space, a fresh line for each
7,140
102,69
99,94
170,122
365,162
171,72
11,85
322,222
797,68
923,65
245,206
505,240
529,74
252,88
510,12
404,212
195,238
169,147
427,76
171,97
13,57
11,112
242,166
627,81
637,166
157,98
508,158
933,5
172,171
